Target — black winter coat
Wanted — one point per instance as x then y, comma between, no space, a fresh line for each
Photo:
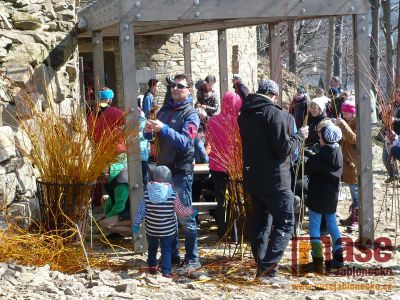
266,146
325,170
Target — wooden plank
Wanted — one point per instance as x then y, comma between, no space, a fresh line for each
129,88
363,127
187,54
98,61
103,14
223,63
275,61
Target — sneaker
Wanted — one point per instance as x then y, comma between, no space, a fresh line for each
168,275
152,270
270,280
192,265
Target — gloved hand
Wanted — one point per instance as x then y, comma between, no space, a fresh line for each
135,229
195,213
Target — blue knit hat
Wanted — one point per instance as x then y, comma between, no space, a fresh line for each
106,94
268,87
331,134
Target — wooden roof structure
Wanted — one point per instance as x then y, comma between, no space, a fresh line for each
127,18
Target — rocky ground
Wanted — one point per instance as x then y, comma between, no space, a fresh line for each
219,278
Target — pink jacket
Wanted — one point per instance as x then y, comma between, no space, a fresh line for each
220,132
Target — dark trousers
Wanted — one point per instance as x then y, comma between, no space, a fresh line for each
165,243
220,180
272,229
145,172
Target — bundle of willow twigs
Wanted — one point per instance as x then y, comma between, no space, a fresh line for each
238,206
40,249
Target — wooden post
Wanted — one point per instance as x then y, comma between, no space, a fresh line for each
187,54
223,63
275,63
129,91
98,61
363,127
82,84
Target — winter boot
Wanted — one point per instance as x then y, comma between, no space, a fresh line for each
346,222
354,220
317,265
336,263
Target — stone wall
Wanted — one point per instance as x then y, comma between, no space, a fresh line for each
164,54
38,54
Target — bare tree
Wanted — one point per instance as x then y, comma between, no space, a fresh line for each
329,52
387,19
397,76
374,41
337,57
292,46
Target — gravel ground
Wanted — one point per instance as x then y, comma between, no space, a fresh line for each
225,280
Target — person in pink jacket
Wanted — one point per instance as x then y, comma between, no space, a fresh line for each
220,136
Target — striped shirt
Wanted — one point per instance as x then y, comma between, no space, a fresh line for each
160,218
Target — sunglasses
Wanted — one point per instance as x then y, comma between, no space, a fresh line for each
179,86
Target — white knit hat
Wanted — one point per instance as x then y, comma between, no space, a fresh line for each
320,102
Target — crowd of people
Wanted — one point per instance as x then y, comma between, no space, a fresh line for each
272,140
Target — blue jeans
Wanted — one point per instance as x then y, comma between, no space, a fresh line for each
354,194
388,163
165,243
272,227
182,184
314,228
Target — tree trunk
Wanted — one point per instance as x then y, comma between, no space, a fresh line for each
337,58
387,14
292,46
374,43
329,53
397,76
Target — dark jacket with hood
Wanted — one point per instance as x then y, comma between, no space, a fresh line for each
176,138
266,146
324,170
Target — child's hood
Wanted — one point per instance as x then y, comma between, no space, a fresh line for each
159,192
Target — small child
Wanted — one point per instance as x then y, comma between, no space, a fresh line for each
158,208
348,127
325,170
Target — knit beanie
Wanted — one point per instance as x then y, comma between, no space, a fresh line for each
268,87
106,94
320,102
331,134
349,106
162,174
169,79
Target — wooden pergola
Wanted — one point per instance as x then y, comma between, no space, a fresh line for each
127,18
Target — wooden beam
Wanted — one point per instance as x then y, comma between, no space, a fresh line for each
103,13
275,61
82,104
98,61
223,63
129,89
363,127
187,54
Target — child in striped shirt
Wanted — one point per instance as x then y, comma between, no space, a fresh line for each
158,208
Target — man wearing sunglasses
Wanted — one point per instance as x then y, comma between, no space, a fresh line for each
176,125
